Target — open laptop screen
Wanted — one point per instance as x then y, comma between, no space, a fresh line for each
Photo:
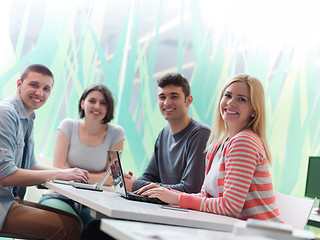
117,173
119,184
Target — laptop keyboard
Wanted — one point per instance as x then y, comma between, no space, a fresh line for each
141,198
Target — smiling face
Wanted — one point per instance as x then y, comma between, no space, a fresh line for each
95,106
173,104
34,91
236,108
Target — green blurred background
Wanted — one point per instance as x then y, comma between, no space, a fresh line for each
129,44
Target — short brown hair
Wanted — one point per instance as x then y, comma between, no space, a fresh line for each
175,79
38,68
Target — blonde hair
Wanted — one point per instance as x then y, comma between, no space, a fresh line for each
258,122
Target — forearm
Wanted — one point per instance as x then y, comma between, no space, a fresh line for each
23,177
190,201
139,184
96,177
149,176
179,186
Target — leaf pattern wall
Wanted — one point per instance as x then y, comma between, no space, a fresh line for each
128,45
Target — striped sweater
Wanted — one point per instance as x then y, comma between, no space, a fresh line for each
244,182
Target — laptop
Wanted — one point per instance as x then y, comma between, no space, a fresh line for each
87,186
119,183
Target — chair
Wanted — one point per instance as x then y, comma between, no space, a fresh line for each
22,192
16,236
293,210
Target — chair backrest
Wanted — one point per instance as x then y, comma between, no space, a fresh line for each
294,210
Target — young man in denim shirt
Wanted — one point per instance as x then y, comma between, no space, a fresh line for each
19,168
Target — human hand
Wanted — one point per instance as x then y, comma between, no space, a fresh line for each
75,174
129,179
155,191
128,175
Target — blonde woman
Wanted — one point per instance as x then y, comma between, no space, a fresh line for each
238,182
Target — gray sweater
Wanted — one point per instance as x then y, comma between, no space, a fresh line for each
178,160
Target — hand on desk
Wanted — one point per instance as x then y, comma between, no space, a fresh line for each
76,174
155,191
129,179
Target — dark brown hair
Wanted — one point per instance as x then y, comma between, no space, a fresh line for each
175,79
107,96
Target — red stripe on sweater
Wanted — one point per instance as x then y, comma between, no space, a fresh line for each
258,202
263,216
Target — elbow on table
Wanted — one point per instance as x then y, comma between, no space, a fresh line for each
232,213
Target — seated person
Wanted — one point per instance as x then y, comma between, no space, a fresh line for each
19,168
238,182
84,144
178,160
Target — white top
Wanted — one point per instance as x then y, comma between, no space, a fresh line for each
211,179
91,158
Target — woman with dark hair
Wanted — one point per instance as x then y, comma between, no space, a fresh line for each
84,144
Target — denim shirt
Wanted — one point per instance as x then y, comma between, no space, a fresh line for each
14,123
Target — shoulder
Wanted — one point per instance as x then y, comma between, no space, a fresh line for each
68,122
197,125
247,142
198,130
115,133
164,135
67,125
8,111
247,137
116,128
165,131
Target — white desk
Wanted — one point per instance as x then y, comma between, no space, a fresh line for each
129,230
112,205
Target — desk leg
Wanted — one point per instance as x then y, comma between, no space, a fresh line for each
97,215
78,207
